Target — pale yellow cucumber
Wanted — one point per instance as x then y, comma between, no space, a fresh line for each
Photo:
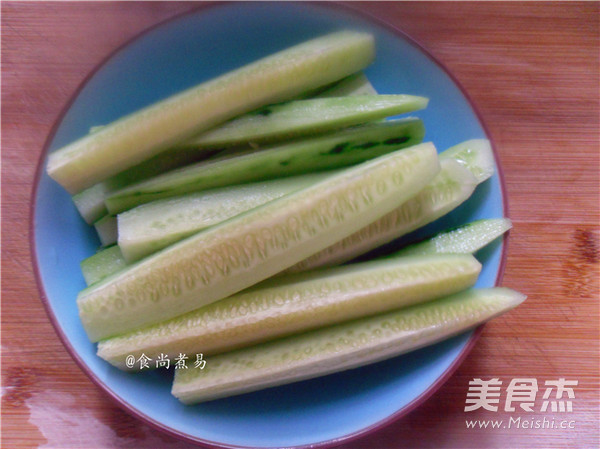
451,187
145,133
90,202
253,246
295,303
341,347
150,227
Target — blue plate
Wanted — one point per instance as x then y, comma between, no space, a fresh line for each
178,54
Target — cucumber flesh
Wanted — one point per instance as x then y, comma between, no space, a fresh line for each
106,228
253,246
150,227
334,150
476,155
305,117
298,303
90,202
145,133
105,262
341,347
465,239
450,188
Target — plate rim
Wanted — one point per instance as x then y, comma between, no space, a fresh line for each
139,414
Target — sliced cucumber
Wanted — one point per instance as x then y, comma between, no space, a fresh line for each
150,227
253,246
102,264
143,134
305,117
298,303
451,187
106,228
464,239
180,215
476,155
90,202
468,238
341,347
328,105
356,84
325,152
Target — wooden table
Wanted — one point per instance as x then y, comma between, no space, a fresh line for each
532,70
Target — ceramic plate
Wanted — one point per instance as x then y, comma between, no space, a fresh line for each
178,54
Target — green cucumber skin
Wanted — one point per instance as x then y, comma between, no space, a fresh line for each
253,246
151,227
306,117
450,188
143,134
341,347
464,239
336,150
474,154
105,262
298,303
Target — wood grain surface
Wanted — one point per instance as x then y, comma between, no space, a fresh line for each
531,68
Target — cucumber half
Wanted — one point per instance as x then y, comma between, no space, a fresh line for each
253,246
298,303
145,133
326,152
341,347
